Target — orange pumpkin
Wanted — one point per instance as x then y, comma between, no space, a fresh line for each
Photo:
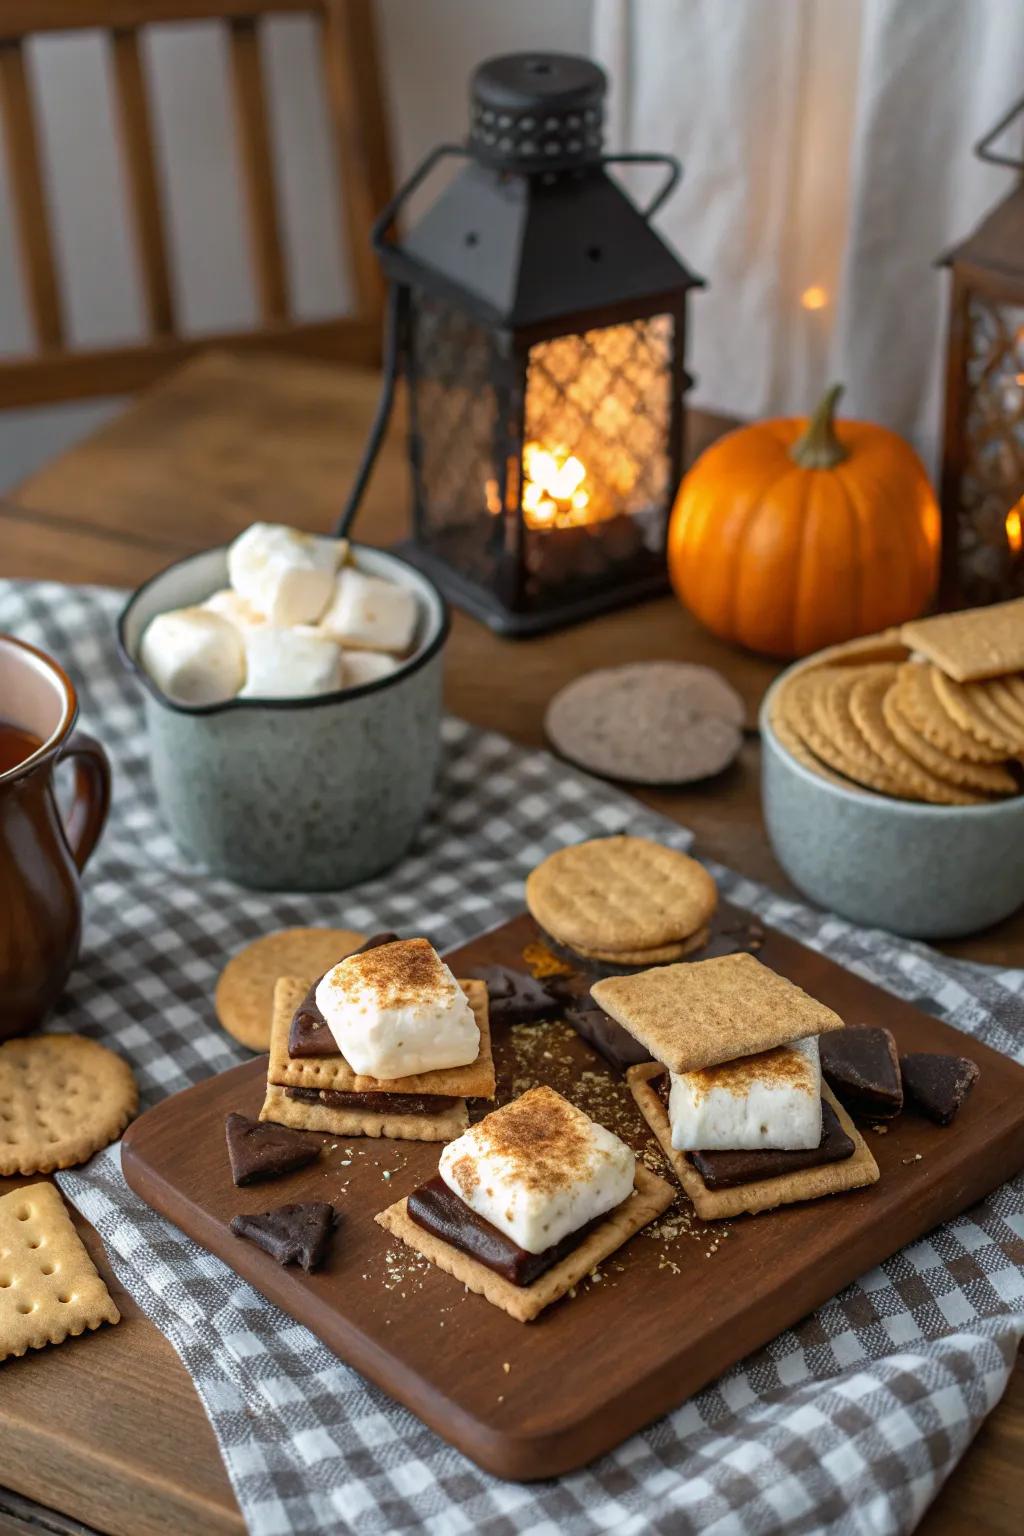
790,535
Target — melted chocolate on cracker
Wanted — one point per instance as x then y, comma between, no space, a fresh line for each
515,997
438,1210
259,1149
309,1034
291,1234
382,1103
862,1067
938,1084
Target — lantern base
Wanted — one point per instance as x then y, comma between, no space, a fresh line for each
484,605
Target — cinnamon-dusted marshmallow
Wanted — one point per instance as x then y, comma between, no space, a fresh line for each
286,575
370,614
538,1169
771,1100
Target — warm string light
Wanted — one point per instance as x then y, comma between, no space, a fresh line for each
814,297
1015,527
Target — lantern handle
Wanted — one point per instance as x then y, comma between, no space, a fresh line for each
983,149
668,186
382,223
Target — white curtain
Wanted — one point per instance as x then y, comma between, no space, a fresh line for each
827,149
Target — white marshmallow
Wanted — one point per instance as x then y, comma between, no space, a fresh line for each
772,1099
397,1010
371,614
289,664
194,656
538,1169
233,608
286,575
366,667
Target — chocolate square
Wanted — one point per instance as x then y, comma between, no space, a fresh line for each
862,1067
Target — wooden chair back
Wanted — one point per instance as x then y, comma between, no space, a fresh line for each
52,370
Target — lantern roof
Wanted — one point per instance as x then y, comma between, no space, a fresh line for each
526,250
998,242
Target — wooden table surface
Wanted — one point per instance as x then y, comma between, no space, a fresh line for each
106,1432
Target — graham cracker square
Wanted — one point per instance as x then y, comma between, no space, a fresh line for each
764,1194
49,1287
277,1106
974,644
709,1011
475,1081
651,1196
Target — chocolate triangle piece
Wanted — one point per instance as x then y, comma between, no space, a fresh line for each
291,1234
515,997
938,1084
259,1149
862,1067
604,1035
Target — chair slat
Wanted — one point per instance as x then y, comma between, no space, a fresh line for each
31,215
352,73
257,168
143,186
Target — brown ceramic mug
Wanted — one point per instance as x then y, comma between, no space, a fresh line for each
41,855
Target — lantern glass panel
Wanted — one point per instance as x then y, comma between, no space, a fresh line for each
991,490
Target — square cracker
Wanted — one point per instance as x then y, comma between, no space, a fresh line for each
651,1196
709,1011
764,1194
974,644
49,1287
277,1106
473,1082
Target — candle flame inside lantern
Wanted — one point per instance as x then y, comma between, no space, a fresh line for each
814,297
1015,526
555,494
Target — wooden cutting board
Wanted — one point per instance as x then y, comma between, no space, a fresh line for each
667,1314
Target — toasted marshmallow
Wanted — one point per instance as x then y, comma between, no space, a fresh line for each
366,667
194,656
397,1010
370,614
538,1169
233,608
772,1100
289,664
286,575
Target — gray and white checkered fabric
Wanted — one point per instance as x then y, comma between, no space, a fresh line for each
848,1423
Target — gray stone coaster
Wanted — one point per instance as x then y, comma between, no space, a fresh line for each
654,722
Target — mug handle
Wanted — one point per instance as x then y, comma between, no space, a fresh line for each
92,795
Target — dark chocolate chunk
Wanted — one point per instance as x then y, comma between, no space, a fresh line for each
309,1034
515,997
259,1149
608,1038
862,1067
725,1170
437,1209
397,1103
938,1084
291,1234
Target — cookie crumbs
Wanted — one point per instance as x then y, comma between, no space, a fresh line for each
915,1159
880,1130
506,1366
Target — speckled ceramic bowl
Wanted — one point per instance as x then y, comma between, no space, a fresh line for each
298,794
927,871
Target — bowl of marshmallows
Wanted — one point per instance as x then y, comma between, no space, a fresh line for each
292,688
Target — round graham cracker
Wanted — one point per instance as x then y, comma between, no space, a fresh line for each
799,702
620,893
920,704
244,998
793,743
1010,702
971,714
662,954
653,722
985,698
866,707
832,709
987,778
62,1098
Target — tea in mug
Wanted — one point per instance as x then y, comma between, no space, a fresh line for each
16,745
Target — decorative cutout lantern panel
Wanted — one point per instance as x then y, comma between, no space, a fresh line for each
539,323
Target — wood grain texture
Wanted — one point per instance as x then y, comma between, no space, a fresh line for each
83,517
145,204
600,1365
28,196
258,179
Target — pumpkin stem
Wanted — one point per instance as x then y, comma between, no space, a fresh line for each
819,447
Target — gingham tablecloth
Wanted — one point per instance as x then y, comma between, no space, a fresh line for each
848,1423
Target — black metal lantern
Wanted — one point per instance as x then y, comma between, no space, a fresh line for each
540,324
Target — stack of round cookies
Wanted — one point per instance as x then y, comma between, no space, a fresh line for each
905,728
623,901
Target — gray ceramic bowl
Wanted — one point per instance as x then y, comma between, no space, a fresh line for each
295,794
928,871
